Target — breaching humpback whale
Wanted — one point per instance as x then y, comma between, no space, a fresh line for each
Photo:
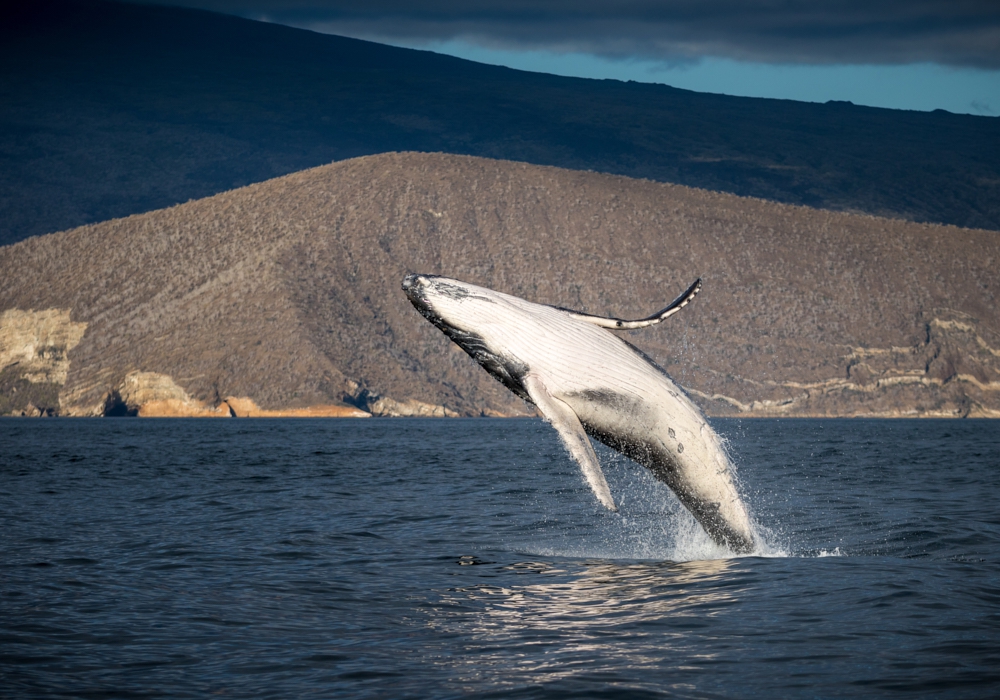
584,380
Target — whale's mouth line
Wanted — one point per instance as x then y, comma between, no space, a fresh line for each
414,292
422,305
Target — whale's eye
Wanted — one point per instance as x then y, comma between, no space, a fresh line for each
680,447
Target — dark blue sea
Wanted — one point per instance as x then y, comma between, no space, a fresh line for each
402,558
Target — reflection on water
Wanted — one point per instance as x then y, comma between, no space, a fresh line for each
630,616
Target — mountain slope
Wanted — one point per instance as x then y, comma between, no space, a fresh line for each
111,109
287,293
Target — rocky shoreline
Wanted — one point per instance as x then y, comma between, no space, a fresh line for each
34,347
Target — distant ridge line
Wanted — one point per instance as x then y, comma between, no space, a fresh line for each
111,109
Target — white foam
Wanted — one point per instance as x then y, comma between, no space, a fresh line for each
651,524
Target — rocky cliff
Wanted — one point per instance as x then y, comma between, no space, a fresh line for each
286,293
34,348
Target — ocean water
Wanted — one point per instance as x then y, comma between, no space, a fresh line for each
467,558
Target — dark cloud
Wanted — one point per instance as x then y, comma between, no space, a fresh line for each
959,32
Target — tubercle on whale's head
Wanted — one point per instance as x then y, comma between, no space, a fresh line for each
413,282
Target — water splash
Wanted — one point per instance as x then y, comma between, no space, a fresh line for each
651,524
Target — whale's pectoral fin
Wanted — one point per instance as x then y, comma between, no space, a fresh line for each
617,324
567,424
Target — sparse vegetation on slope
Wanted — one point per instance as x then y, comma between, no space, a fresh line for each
110,109
287,292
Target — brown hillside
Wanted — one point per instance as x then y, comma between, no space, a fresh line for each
287,293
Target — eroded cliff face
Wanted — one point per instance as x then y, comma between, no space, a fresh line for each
34,359
383,406
954,372
155,395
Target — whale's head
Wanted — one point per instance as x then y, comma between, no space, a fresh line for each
464,312
450,304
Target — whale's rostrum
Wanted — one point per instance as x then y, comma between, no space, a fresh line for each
585,380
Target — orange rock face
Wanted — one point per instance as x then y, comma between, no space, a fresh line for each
174,408
243,407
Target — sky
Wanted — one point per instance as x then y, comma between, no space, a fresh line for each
900,54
